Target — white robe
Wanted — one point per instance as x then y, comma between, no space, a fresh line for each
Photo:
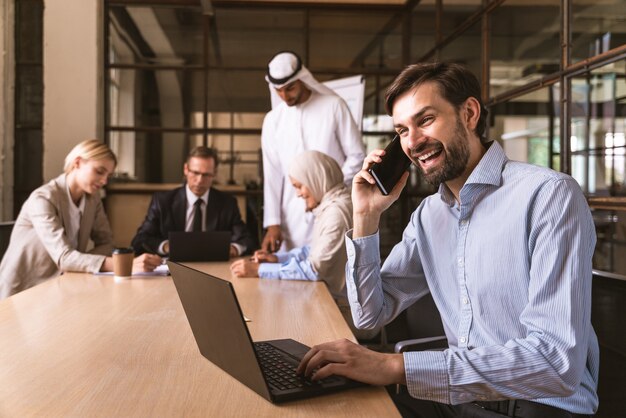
322,123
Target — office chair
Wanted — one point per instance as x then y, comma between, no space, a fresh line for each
425,329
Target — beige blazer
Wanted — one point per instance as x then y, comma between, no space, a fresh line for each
39,249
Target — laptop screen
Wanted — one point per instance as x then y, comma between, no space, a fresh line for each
200,246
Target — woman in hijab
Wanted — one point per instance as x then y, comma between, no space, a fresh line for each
318,180
57,221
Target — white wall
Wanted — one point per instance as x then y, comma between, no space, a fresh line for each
7,87
73,79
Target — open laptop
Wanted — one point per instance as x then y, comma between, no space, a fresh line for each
199,246
220,330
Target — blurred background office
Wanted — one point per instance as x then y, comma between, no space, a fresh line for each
154,78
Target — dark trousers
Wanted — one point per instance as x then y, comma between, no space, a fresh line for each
416,408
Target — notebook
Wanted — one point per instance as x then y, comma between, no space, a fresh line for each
199,246
220,330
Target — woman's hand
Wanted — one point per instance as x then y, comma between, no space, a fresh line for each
245,268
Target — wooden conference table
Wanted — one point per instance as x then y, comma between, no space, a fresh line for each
84,345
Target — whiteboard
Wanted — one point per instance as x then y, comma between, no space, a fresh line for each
352,90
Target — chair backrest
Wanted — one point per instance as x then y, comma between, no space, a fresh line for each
419,320
5,236
423,319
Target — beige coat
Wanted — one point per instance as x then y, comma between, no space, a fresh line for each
39,249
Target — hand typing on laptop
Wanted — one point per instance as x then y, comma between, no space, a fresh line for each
345,358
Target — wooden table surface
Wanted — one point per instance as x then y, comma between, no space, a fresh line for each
84,345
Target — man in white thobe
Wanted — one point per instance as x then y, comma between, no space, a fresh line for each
308,116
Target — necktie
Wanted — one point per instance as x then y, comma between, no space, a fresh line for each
197,216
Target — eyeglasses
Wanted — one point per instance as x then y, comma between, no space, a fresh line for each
200,174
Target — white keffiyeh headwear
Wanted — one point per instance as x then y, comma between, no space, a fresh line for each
286,67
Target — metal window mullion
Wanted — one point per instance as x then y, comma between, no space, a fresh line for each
566,88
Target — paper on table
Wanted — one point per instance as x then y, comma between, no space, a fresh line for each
161,270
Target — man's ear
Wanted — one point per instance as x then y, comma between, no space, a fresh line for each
185,168
471,113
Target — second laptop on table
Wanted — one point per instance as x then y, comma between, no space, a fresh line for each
200,246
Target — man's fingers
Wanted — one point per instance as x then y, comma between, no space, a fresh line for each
310,361
305,360
321,360
373,157
365,175
330,369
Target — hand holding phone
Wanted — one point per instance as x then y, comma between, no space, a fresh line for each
394,163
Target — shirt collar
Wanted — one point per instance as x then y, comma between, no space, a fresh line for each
191,198
488,171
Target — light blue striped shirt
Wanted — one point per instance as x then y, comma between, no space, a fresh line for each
291,265
510,272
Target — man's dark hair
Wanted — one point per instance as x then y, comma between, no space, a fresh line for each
204,152
456,84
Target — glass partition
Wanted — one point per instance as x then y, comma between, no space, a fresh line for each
258,33
465,50
528,127
156,35
525,44
455,12
236,91
598,145
154,98
598,26
358,39
423,25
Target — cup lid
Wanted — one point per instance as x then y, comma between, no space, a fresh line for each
123,250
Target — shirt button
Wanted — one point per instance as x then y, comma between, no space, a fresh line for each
465,301
460,261
462,339
464,222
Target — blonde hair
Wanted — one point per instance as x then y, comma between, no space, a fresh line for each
90,149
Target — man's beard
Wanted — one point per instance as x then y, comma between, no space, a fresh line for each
456,158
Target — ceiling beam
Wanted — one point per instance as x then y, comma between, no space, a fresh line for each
387,28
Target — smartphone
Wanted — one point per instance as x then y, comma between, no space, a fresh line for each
394,163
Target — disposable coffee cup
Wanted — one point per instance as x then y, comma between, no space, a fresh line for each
123,262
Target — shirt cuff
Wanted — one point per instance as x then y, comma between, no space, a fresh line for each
271,222
269,270
427,375
364,250
240,248
161,249
282,257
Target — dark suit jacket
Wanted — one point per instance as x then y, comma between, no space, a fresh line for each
167,213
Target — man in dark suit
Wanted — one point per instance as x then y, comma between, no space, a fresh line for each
195,206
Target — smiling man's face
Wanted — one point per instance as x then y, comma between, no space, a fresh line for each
432,132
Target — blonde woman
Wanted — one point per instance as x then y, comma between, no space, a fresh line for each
318,179
57,221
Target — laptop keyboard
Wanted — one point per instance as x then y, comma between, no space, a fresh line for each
280,373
